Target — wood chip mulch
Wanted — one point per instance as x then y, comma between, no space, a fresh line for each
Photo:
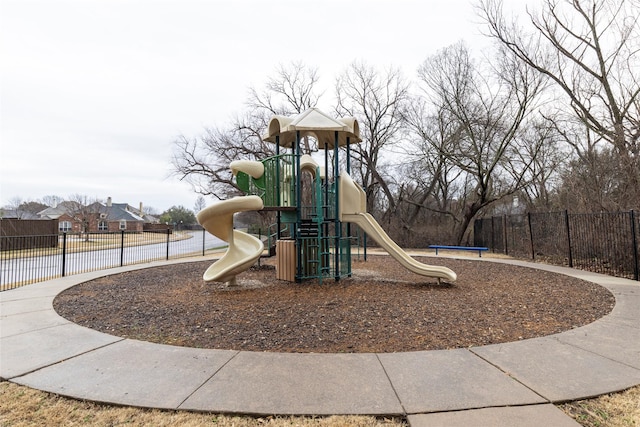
381,308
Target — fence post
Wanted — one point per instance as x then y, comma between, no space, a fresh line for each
533,252
634,245
493,236
64,253
504,234
566,221
168,238
121,248
204,236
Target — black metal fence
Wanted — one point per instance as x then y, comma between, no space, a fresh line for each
606,243
24,262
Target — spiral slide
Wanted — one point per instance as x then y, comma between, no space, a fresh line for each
244,249
353,204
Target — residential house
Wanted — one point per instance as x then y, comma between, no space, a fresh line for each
70,215
117,217
98,217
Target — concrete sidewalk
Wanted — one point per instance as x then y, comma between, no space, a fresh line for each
499,385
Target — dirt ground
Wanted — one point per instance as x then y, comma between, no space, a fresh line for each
381,308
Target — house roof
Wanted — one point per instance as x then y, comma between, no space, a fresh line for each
119,211
116,212
18,214
61,209
112,212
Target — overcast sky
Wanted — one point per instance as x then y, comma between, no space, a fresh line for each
94,92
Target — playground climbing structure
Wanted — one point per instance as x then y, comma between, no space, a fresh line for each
315,202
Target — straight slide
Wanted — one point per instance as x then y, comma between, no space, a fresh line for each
353,208
370,226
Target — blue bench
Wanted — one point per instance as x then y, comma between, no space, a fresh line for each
460,248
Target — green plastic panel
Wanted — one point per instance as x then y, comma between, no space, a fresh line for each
242,180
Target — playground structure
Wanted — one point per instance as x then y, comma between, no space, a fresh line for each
314,212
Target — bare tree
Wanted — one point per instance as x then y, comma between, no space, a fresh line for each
589,182
376,99
150,210
32,207
589,49
80,208
291,91
592,176
540,148
480,114
204,161
24,209
52,200
430,176
200,204
14,205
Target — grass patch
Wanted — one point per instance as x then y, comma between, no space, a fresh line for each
23,406
610,410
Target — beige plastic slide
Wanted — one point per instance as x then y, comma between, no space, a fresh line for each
244,249
353,204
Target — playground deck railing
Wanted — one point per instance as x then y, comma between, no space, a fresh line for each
276,187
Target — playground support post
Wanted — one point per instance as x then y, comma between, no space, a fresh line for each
298,209
326,183
278,216
364,235
338,226
349,172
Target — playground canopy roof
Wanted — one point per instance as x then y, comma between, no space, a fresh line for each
314,123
